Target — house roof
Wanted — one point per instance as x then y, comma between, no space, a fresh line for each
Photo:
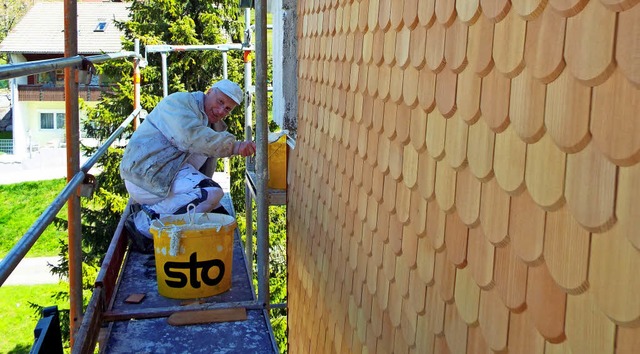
41,30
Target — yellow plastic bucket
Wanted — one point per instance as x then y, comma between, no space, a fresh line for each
194,254
277,156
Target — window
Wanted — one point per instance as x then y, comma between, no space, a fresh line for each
50,121
102,25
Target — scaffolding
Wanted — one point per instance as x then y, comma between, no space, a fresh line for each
85,326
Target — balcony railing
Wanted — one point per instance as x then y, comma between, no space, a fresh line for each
52,93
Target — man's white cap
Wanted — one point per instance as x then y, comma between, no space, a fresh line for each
231,89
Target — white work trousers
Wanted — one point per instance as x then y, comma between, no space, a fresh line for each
187,188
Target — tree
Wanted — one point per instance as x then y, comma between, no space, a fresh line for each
155,22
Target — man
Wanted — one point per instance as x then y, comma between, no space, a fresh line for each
161,163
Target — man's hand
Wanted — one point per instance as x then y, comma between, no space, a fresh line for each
244,148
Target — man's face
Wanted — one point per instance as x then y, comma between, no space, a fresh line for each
217,105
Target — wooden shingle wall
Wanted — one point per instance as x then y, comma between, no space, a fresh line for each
466,177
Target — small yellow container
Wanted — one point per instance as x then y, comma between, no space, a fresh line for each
277,156
194,254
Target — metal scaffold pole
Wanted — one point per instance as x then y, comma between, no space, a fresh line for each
262,128
72,126
248,135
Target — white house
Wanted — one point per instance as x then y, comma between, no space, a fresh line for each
38,100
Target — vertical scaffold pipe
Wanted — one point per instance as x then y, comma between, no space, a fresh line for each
261,153
136,81
72,129
248,135
165,88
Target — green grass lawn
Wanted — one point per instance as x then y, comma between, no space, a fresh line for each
18,319
20,205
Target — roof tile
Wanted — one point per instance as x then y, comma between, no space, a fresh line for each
591,195
480,258
468,11
403,203
627,209
403,270
436,134
479,46
627,46
494,100
495,10
41,30
426,12
456,239
435,312
395,161
468,191
510,274
389,54
403,47
417,43
545,173
427,90
455,51
467,297
529,9
395,240
615,123
372,212
455,330
567,113
417,293
445,277
418,210
410,13
418,129
378,47
425,264
457,132
475,341
588,329
426,175
445,12
384,15
434,50
544,46
568,8
409,166
445,187
395,84
566,251
446,92
397,15
493,317
509,161
408,324
509,56
403,125
436,220
546,304
526,107
480,150
523,336
363,16
627,339
589,49
613,276
372,20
